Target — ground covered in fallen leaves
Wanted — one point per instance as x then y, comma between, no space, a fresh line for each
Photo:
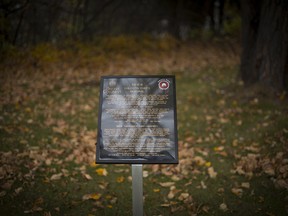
233,140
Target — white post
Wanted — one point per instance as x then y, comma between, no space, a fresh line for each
137,189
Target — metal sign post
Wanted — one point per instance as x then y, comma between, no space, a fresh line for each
137,125
137,189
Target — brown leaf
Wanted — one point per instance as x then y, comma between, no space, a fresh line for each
245,185
48,161
183,196
87,176
167,184
155,168
223,207
18,190
237,191
2,193
103,185
268,169
281,183
165,205
199,160
56,176
173,191
7,185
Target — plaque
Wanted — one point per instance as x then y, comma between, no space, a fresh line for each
137,120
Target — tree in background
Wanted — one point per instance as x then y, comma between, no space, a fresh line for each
30,22
265,43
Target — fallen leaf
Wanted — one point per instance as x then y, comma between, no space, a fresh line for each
34,209
183,196
237,191
208,164
145,174
165,205
7,185
175,178
199,160
223,120
177,208
173,191
2,193
281,183
56,176
223,207
113,200
120,179
203,185
48,161
245,185
167,184
47,214
103,185
252,149
205,208
93,164
211,172
87,176
268,169
155,168
101,172
18,190
218,148
94,196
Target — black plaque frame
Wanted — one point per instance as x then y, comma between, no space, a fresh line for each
163,85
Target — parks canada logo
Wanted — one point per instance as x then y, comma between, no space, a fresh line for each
163,84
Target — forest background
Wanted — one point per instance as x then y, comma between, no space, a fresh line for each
233,130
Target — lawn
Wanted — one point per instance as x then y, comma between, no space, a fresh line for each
233,140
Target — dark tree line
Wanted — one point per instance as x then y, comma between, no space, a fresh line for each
24,22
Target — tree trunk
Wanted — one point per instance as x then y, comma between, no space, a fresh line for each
265,43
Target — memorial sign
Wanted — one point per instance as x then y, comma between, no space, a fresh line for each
137,120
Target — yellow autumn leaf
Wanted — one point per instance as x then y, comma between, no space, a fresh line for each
218,148
120,179
93,164
208,164
108,197
96,196
101,172
156,190
109,206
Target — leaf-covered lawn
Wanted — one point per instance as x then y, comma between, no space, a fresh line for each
233,142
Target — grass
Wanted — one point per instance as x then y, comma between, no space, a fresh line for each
48,146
